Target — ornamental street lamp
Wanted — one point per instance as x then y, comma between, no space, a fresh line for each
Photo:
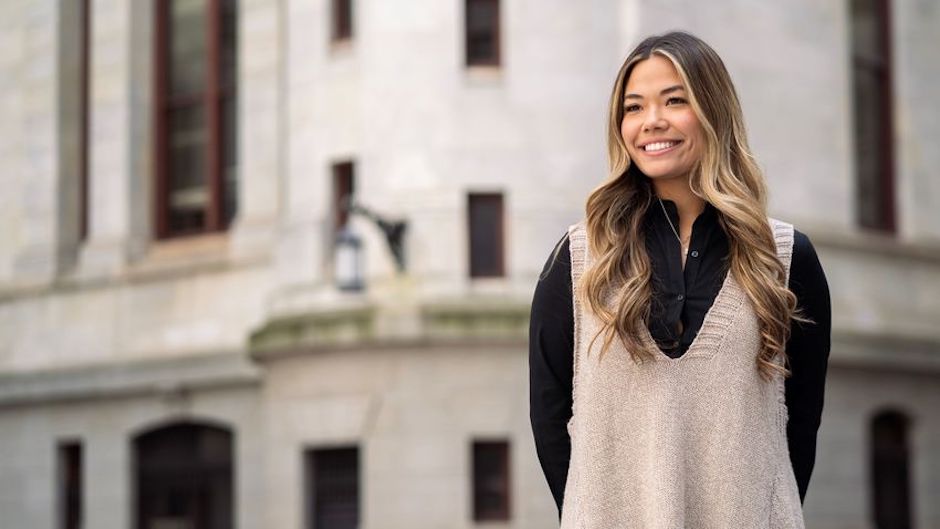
348,255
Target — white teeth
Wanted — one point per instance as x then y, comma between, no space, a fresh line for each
658,146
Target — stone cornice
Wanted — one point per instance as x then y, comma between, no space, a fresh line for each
168,377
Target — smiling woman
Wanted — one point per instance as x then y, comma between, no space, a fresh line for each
661,131
679,415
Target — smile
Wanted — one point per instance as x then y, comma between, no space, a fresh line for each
660,146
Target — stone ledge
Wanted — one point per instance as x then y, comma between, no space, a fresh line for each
170,376
376,327
336,327
885,351
481,320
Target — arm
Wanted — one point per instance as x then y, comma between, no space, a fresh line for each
808,350
551,332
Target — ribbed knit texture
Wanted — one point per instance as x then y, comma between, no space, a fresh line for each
695,442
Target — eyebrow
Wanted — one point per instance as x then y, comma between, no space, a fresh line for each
665,91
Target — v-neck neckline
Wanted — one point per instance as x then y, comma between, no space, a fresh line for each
714,326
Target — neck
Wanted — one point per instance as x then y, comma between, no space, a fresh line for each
689,205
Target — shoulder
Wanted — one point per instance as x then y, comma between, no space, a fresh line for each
804,253
559,260
805,267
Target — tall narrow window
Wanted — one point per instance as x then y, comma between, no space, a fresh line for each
342,15
486,234
482,32
490,480
84,95
343,187
890,475
332,476
69,463
196,116
184,477
874,126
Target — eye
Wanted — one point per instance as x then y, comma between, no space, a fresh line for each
676,101
631,108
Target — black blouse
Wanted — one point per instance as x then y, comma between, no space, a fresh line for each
680,300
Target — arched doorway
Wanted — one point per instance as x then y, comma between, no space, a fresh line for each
184,477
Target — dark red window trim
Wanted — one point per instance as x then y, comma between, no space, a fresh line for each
211,99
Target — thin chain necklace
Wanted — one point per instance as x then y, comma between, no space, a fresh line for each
683,245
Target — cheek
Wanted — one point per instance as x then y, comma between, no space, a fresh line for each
628,132
692,127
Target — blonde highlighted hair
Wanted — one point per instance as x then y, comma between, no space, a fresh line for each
617,287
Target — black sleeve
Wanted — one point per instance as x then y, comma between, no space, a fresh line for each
808,350
551,332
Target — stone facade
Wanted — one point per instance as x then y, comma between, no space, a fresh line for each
105,338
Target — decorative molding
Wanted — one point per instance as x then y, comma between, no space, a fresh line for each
885,351
167,377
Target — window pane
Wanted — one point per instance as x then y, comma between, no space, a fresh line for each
486,235
229,39
343,185
187,43
866,31
70,485
188,192
342,19
230,156
869,151
333,475
491,480
482,31
873,130
890,471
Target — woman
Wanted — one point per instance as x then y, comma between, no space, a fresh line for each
679,337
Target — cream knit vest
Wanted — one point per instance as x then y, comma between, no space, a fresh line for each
696,442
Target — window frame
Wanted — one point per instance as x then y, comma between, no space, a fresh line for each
499,270
341,20
310,491
504,449
890,464
69,490
211,100
496,60
880,67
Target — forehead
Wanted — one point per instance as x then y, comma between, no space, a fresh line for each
652,75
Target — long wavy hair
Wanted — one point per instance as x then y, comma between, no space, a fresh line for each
617,287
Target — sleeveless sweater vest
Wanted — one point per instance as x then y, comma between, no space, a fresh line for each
695,442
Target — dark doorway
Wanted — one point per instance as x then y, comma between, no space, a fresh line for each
184,477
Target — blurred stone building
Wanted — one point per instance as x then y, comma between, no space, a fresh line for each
195,332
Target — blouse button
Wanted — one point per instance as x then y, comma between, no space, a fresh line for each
694,253
680,297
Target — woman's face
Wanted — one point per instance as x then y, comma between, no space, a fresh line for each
663,135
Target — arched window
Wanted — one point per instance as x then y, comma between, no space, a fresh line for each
184,477
890,474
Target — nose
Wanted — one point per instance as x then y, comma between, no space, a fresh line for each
654,119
